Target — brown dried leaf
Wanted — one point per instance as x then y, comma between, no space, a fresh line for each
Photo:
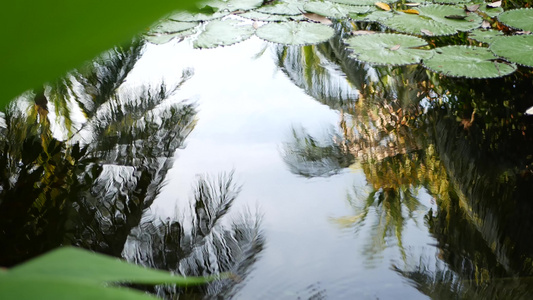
411,11
318,18
455,17
383,6
426,32
394,48
485,24
495,4
472,8
362,32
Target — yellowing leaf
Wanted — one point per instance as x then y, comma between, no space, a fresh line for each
411,11
383,6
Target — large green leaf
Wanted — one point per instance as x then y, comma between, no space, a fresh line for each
518,18
203,15
160,39
373,16
295,33
485,36
234,5
285,7
436,20
72,273
171,26
388,49
469,62
362,2
259,16
335,10
491,11
44,40
517,49
223,33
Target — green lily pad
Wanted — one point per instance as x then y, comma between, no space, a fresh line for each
518,18
451,1
285,7
373,16
388,49
491,11
170,26
434,20
223,33
165,38
485,36
203,15
517,49
469,62
259,16
334,10
295,33
234,5
362,2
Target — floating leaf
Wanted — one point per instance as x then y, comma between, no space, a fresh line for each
451,1
469,62
165,38
433,18
426,32
456,17
517,49
295,33
334,10
411,11
491,11
259,16
375,16
362,2
518,18
171,26
388,49
234,5
383,6
485,25
495,4
318,18
485,36
185,16
284,7
223,33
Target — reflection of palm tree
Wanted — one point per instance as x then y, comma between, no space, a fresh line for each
208,245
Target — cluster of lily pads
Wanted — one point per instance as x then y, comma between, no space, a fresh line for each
295,22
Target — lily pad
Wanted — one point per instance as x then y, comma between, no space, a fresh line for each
451,1
295,33
469,62
171,26
434,20
362,2
374,16
165,38
185,16
285,7
518,18
388,49
485,36
334,10
259,16
491,11
223,33
517,49
234,5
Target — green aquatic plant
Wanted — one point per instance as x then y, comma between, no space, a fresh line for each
518,18
223,33
517,49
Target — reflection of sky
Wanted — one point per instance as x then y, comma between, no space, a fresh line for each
246,110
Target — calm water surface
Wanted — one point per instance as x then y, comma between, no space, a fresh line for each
303,173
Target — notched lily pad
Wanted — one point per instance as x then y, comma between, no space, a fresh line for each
284,7
388,49
516,48
334,10
439,20
185,16
518,18
485,36
469,62
223,33
259,16
234,5
363,2
373,16
295,33
170,26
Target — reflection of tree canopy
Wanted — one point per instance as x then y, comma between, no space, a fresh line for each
204,243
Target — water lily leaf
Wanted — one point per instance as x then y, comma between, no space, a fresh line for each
234,5
469,62
259,16
451,1
223,33
363,2
485,36
383,6
317,18
185,16
170,26
491,11
284,7
165,38
388,49
517,49
375,16
518,18
334,10
435,18
295,33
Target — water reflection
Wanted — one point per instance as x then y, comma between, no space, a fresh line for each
464,142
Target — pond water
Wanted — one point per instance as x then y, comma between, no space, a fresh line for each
301,172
